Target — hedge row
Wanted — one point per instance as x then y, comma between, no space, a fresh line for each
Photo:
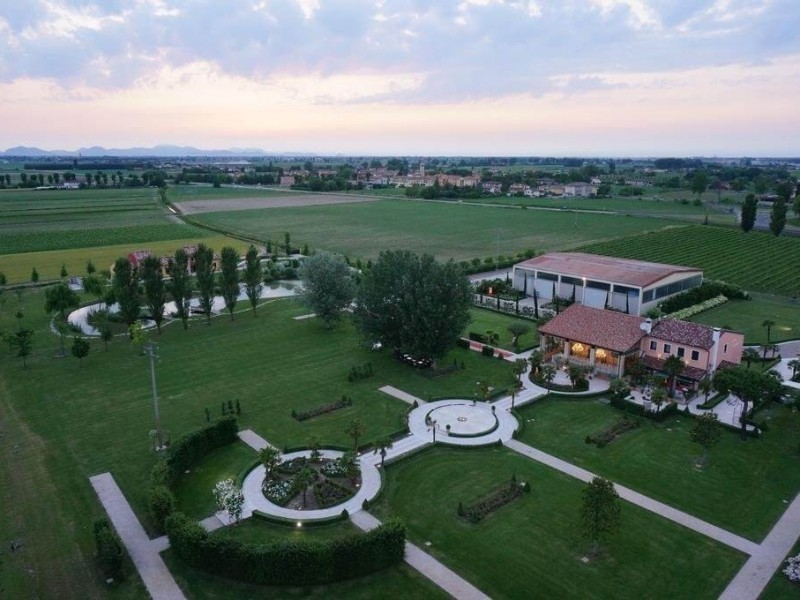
288,562
709,289
637,409
180,457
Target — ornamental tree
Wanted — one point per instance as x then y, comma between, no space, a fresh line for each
204,268
253,275
180,285
230,278
706,432
155,291
600,512
229,498
80,348
327,286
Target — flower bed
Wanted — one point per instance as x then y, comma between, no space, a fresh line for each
329,482
329,493
279,491
696,309
321,410
611,433
476,512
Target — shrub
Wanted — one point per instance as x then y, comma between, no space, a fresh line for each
709,289
288,562
477,337
487,351
193,446
109,553
323,409
497,499
462,343
162,504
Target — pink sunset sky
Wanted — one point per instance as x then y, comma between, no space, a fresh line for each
472,77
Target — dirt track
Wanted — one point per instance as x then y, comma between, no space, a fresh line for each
190,207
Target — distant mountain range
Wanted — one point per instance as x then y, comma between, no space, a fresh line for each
157,151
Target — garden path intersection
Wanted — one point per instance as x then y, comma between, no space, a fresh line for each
472,423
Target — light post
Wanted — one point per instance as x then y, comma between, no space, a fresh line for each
151,349
433,429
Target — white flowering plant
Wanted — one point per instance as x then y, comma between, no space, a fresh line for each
696,309
229,498
792,570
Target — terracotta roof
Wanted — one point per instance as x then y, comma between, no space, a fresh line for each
597,327
684,332
653,362
594,266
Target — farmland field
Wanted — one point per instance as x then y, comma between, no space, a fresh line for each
17,267
33,221
447,230
755,261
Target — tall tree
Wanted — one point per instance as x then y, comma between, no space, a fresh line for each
414,303
517,329
204,269
125,288
327,286
230,278
180,284
749,355
93,284
155,291
600,512
253,275
287,243
22,340
749,211
699,182
706,433
777,217
59,299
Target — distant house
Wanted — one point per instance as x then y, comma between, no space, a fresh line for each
287,180
136,258
579,188
492,187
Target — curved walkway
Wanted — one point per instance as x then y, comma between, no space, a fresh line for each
506,425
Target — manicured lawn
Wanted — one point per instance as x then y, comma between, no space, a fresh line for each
779,587
447,230
194,492
255,530
748,316
63,423
658,460
398,582
17,267
483,320
533,546
754,261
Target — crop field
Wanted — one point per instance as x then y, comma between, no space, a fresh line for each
17,267
446,230
755,261
178,193
32,221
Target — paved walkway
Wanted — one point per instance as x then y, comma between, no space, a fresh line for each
758,570
252,439
507,424
661,509
448,580
401,395
143,552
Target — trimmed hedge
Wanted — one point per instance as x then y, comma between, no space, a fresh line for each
709,289
109,553
713,401
637,409
193,446
287,562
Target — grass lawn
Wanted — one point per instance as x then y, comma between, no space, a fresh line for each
483,320
658,460
755,261
447,230
255,530
397,582
533,546
63,423
748,316
779,587
194,492
18,267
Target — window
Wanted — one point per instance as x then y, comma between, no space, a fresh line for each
725,349
546,276
653,345
667,348
695,355
648,296
681,352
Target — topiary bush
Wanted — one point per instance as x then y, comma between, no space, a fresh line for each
109,553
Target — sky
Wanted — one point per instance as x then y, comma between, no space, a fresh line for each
421,77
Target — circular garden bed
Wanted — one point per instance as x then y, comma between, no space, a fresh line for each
311,483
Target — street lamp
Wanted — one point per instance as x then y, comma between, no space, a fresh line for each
151,349
433,429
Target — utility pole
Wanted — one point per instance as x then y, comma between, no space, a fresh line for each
497,251
151,350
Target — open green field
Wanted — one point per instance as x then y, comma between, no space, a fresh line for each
62,423
446,230
178,193
755,261
33,221
17,267
658,460
533,546
747,316
483,320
